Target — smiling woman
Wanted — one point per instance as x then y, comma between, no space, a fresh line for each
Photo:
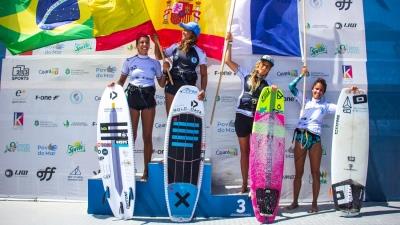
141,71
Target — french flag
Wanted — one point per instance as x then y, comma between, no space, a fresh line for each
266,27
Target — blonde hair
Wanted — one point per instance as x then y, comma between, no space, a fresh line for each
187,43
254,81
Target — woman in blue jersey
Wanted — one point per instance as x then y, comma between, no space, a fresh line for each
252,83
186,57
140,70
307,136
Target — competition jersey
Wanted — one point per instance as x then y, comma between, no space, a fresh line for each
244,74
202,56
314,111
141,70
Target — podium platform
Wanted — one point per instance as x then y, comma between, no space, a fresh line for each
150,197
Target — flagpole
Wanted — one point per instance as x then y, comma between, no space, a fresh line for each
163,59
221,69
304,58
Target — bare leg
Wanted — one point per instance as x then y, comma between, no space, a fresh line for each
135,121
168,101
315,155
147,126
244,143
299,160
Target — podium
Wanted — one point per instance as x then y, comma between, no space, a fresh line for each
150,197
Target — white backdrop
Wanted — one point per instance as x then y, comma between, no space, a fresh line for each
49,103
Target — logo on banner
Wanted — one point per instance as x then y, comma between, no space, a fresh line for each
51,71
46,97
56,49
17,147
107,72
339,25
19,97
342,49
46,174
347,71
18,119
75,148
44,123
290,73
226,153
18,173
20,72
76,97
75,175
81,46
316,3
182,11
47,150
226,127
343,4
319,49
68,123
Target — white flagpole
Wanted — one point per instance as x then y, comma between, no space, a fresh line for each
221,69
304,53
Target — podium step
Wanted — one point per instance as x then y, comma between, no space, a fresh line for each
150,197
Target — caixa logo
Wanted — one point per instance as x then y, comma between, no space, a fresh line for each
46,174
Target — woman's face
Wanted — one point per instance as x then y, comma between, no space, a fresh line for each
143,45
187,34
318,91
263,68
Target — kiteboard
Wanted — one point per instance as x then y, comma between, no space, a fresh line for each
350,151
184,154
115,152
267,147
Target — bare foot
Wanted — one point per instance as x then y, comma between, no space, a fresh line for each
314,209
292,206
244,189
144,177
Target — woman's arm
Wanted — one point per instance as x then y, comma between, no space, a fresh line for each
228,59
203,82
292,85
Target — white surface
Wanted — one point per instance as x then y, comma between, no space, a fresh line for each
115,96
350,140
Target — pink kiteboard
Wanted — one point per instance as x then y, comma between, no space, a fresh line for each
267,147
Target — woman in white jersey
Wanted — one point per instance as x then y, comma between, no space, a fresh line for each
252,83
186,57
140,70
307,136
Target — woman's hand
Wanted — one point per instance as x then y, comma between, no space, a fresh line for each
229,37
354,89
111,84
201,95
304,71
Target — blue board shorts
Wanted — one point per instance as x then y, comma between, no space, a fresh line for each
306,138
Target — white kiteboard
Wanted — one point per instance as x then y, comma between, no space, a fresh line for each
184,154
350,144
115,149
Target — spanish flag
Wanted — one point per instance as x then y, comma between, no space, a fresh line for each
30,24
211,15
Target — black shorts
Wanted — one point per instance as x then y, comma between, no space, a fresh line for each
243,125
140,98
172,89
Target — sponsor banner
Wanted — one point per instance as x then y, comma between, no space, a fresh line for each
49,107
